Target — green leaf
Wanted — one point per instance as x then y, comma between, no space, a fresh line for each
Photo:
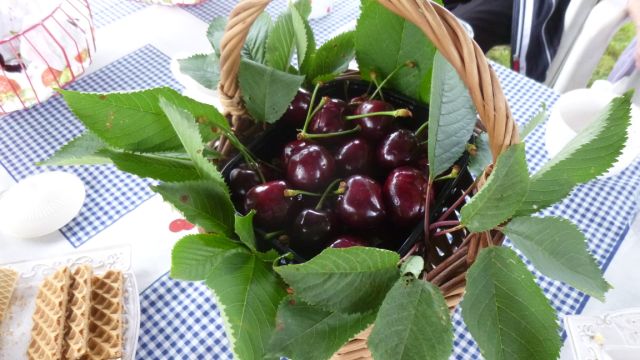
186,128
384,41
152,166
202,202
499,198
413,323
540,117
215,32
266,91
288,33
194,256
254,47
83,150
303,7
413,265
244,229
482,157
587,156
135,121
558,249
248,293
452,117
333,57
203,68
506,312
301,327
347,280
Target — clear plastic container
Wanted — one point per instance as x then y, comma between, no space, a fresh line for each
43,45
15,329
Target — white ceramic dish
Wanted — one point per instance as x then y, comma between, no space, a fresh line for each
612,336
576,109
15,330
41,204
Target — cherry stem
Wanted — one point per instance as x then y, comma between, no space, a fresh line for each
326,193
439,224
379,86
303,135
422,128
427,200
394,113
311,110
412,251
453,229
455,205
452,175
256,167
274,234
292,193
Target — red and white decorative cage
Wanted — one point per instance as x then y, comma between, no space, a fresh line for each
42,51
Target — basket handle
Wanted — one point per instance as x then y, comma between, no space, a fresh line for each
437,23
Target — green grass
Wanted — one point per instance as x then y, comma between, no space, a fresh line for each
502,54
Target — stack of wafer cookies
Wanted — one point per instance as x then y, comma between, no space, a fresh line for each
78,316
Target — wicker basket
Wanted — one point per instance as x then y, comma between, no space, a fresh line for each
450,38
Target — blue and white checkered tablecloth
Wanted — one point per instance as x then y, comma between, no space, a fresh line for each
342,13
180,320
33,135
106,12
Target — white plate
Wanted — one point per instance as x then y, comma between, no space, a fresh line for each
15,330
612,336
41,204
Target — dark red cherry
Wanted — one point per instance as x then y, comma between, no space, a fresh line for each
296,113
291,149
404,194
347,241
270,204
397,149
311,230
311,168
329,119
374,128
361,206
422,165
354,157
244,177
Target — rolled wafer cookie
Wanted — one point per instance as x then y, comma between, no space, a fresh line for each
76,332
47,332
8,281
105,320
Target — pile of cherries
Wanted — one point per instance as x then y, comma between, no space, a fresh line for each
354,176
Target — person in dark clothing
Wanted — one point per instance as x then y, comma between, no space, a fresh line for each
533,28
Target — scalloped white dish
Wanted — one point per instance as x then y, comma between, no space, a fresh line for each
15,330
611,336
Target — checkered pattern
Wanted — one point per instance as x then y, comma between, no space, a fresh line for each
34,135
107,11
180,320
343,12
